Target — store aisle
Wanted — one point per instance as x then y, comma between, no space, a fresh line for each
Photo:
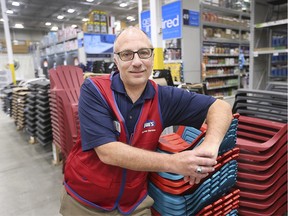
30,184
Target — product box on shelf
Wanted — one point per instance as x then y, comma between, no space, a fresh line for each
97,27
97,22
103,17
66,34
88,27
94,16
103,27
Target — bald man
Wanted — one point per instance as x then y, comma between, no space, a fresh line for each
122,116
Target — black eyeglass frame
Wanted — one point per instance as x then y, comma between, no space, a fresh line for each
119,53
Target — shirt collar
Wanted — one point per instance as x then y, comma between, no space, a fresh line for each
118,86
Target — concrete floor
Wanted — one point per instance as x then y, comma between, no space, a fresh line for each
29,183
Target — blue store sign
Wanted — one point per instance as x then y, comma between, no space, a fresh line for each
190,18
171,21
146,22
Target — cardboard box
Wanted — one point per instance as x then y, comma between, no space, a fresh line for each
94,16
21,48
103,28
97,27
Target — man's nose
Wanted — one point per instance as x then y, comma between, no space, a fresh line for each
136,60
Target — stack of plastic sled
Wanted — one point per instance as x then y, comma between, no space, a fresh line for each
262,163
65,82
31,112
19,97
44,128
174,196
6,97
262,104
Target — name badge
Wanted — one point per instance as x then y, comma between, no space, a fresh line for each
117,126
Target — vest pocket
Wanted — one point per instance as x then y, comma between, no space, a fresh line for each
88,175
88,184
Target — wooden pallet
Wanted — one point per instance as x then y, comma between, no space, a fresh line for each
32,140
57,155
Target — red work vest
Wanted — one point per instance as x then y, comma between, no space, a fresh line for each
107,187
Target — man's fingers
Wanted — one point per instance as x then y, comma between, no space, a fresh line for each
192,180
204,170
196,180
206,162
186,178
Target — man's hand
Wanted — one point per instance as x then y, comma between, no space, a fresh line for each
204,152
218,120
188,162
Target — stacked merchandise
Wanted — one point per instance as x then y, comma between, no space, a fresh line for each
279,62
97,22
214,195
65,82
262,140
44,128
277,87
31,108
6,96
227,204
262,175
262,104
19,97
31,112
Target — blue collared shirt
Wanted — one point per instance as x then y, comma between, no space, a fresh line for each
178,107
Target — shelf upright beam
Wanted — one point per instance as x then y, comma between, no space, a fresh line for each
156,33
140,8
8,40
191,45
251,51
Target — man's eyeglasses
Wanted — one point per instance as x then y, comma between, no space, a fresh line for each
128,55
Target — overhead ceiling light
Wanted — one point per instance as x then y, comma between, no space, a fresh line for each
89,0
18,25
130,18
70,10
9,12
85,19
124,4
17,4
2,19
54,28
74,26
48,23
60,17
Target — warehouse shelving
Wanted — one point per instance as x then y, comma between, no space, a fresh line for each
269,43
225,36
58,48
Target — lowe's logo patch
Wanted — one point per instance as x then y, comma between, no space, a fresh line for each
149,123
